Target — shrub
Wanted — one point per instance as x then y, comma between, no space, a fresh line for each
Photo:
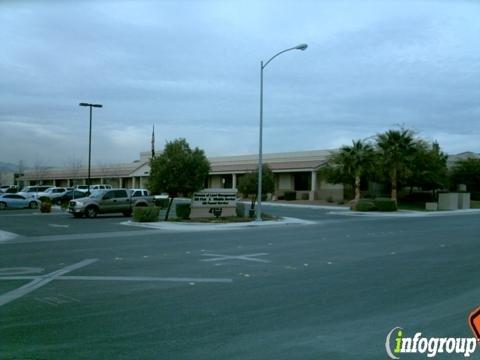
45,199
330,199
162,203
240,210
305,196
290,195
385,204
146,214
46,206
183,211
364,205
475,195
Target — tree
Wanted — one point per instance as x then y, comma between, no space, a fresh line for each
350,164
467,172
248,184
178,170
428,168
396,149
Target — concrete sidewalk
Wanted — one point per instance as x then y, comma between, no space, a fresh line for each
406,213
303,206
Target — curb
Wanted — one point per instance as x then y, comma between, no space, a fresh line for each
195,227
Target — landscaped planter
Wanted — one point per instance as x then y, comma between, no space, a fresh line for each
464,200
431,206
448,201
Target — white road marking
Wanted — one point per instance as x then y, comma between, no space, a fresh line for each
57,300
40,281
246,257
5,236
59,226
20,270
123,278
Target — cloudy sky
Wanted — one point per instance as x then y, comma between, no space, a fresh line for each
192,69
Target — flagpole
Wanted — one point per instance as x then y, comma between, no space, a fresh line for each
153,141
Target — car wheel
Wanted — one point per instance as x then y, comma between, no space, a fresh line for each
33,205
3,206
91,212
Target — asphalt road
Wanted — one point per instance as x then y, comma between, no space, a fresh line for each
332,290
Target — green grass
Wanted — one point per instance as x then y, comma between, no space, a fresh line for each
474,204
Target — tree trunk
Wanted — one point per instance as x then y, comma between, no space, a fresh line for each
357,188
394,185
254,199
169,207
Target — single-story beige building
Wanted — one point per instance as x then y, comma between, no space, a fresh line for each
293,171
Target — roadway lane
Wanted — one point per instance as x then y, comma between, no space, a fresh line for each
327,291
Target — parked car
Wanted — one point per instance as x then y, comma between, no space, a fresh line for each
32,191
17,201
136,193
4,188
84,188
69,195
107,201
100,187
52,192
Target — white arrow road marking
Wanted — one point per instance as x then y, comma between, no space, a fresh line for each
42,280
245,257
5,236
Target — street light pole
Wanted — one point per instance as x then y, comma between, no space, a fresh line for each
90,138
260,150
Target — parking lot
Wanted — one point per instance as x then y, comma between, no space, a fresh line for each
94,288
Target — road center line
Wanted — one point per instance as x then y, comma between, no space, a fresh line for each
40,281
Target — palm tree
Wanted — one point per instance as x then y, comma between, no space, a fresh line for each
352,163
396,149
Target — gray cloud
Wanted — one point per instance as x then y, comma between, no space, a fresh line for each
192,68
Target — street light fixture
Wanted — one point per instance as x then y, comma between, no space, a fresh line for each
260,165
90,138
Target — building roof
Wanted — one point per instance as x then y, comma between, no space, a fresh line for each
286,161
278,162
117,170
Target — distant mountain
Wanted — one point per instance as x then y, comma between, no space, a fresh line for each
8,167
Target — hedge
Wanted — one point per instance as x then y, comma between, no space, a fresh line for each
183,211
240,210
146,214
290,195
364,205
385,204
